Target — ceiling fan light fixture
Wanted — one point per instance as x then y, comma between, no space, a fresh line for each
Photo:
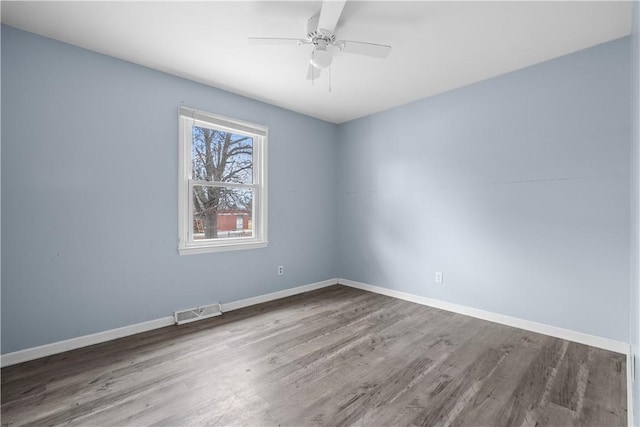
320,58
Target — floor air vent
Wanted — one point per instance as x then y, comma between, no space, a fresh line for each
198,313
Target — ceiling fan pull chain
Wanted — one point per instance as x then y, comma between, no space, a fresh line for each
329,79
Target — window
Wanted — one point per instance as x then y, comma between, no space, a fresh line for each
222,186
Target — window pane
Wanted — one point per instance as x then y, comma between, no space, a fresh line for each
221,156
222,212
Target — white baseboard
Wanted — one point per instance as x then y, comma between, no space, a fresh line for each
541,328
83,341
277,295
112,334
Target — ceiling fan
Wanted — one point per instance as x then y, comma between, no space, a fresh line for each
320,28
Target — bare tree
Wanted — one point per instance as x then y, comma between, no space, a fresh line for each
220,157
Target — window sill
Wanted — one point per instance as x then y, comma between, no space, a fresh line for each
193,250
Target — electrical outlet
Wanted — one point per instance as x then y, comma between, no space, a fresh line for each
439,277
280,270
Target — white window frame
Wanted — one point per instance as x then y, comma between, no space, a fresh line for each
186,243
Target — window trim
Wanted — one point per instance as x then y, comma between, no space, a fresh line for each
187,117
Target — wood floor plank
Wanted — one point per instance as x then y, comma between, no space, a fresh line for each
336,357
488,406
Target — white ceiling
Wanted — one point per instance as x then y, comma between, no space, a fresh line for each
437,46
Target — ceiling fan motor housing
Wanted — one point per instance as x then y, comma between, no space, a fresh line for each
314,33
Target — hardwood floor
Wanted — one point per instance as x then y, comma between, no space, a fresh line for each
337,356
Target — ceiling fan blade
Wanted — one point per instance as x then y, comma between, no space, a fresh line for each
274,41
362,48
313,73
329,14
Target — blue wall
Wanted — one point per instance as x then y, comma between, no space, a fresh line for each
89,196
517,188
635,207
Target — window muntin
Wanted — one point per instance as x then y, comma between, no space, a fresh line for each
222,183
